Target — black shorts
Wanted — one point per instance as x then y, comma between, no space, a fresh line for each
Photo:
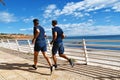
40,47
58,47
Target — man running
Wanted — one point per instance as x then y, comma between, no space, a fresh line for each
40,43
58,35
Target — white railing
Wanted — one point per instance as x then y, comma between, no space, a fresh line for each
106,53
90,52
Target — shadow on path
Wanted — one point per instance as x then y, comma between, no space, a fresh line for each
21,66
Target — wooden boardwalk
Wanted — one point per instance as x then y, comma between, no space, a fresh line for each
17,66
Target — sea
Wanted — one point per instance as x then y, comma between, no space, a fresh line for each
97,37
105,37
77,40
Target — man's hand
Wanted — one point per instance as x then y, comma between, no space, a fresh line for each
51,42
33,41
63,36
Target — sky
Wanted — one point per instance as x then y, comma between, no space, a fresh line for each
75,17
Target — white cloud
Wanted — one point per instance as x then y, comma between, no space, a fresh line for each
108,18
26,20
76,28
64,20
7,17
79,9
93,30
117,7
87,28
99,4
102,30
107,10
49,11
26,29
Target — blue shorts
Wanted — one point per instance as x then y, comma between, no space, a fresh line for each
57,47
40,47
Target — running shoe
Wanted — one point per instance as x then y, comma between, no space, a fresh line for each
55,65
51,69
71,62
34,67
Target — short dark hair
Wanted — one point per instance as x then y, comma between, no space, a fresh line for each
35,20
54,21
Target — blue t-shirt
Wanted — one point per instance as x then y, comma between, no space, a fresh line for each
41,37
59,34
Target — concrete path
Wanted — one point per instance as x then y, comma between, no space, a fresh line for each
17,68
14,67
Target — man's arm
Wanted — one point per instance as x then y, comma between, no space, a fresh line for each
63,36
54,37
37,32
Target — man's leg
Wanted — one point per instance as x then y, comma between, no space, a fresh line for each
54,51
54,59
35,59
64,56
48,60
69,60
61,54
61,51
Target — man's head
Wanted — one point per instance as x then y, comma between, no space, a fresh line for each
36,22
54,22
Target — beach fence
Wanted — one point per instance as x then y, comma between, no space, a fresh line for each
103,53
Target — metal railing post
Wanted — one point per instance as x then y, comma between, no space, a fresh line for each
50,47
85,51
48,43
17,45
30,45
2,43
8,44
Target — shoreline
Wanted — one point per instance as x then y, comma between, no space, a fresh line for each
15,36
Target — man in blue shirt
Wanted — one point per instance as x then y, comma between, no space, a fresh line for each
57,42
40,43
